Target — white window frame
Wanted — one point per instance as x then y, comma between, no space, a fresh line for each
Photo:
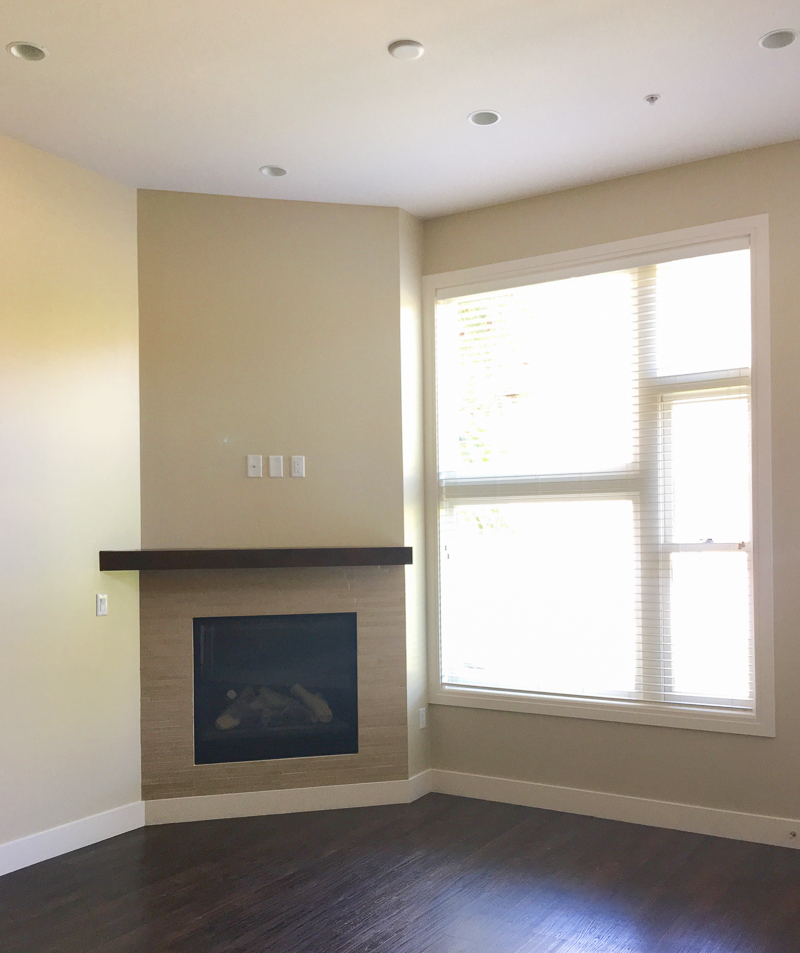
653,249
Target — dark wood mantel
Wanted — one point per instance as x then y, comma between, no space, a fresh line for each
149,559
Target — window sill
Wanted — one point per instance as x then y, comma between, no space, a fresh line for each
636,713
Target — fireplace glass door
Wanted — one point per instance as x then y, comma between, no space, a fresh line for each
281,686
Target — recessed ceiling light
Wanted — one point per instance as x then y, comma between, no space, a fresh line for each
652,98
272,170
406,49
484,117
26,51
777,38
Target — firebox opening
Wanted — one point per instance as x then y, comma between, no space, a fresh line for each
280,686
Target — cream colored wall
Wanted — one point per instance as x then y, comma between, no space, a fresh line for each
69,682
269,327
278,327
761,775
413,485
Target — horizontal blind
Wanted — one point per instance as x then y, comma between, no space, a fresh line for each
594,461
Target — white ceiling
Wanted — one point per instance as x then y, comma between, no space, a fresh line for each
195,95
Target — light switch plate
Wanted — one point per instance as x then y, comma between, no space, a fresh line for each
298,466
101,604
276,466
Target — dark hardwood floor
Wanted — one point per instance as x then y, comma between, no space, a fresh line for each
442,875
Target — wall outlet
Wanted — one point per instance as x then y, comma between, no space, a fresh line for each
423,718
298,466
101,604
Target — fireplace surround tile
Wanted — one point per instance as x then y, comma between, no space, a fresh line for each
171,600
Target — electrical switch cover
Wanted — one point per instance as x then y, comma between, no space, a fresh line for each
298,466
254,464
101,607
276,466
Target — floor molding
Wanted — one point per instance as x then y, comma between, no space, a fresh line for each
35,848
758,828
293,800
420,785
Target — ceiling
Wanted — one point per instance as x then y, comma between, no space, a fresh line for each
196,95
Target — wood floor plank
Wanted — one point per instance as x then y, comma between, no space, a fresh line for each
442,875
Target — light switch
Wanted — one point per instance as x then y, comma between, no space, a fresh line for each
423,718
254,464
101,604
298,466
276,466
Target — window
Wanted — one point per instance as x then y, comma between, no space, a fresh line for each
595,428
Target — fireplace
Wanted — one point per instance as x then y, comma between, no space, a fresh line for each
275,686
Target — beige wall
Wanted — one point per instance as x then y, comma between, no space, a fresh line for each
413,485
278,327
69,682
727,771
269,327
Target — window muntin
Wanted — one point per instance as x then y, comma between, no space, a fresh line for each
539,412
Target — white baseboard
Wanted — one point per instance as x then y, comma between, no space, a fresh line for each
759,828
29,850
420,785
254,803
